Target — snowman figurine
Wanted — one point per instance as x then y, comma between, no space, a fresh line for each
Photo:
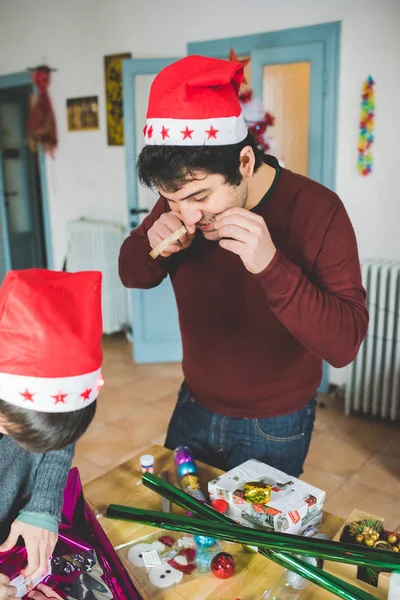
135,554
165,576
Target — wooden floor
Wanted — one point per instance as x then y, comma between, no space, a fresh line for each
355,459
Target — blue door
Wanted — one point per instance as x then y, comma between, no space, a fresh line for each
156,335
21,211
311,55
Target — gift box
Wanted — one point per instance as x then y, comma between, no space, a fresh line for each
290,505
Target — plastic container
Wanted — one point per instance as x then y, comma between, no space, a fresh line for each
147,463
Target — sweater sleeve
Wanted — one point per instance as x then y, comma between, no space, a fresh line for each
48,487
136,267
326,311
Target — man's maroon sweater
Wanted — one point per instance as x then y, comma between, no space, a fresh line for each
253,344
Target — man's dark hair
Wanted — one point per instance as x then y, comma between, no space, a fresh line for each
41,432
167,167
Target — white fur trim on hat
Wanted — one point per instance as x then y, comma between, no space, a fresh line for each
195,132
48,394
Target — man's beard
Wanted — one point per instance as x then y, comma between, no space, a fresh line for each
238,201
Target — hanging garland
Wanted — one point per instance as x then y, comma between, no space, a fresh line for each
366,136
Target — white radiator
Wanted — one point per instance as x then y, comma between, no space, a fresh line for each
95,245
373,383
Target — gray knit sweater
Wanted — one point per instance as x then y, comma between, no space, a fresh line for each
34,482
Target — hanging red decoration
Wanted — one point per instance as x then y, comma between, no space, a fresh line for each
257,119
42,124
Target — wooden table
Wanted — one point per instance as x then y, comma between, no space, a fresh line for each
122,485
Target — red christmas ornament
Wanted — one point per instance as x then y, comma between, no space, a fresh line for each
220,505
223,565
42,124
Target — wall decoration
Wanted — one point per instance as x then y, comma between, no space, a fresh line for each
41,126
257,119
83,113
114,98
366,134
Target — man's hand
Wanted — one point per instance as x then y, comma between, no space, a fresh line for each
246,234
7,591
39,544
163,227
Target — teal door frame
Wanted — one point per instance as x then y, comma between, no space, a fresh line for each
313,54
156,334
7,82
329,35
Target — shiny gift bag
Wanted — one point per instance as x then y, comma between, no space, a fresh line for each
84,565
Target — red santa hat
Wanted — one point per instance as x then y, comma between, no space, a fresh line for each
194,102
50,339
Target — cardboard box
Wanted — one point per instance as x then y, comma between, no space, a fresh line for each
293,507
349,572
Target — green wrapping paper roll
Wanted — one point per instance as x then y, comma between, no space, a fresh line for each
285,542
315,575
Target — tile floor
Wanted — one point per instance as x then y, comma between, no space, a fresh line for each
355,459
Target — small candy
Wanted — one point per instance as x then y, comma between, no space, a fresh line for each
183,454
257,492
204,541
186,468
223,565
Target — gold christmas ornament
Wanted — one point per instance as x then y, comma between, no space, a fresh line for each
257,492
392,538
359,538
395,549
369,541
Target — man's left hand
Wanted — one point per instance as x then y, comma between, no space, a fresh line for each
246,234
39,543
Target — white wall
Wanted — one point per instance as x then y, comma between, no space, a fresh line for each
87,177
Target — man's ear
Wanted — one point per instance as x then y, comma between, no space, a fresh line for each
247,162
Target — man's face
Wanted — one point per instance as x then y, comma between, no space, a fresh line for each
200,200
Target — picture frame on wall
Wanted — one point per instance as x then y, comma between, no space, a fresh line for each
114,98
83,113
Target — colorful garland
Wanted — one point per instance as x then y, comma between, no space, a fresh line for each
366,137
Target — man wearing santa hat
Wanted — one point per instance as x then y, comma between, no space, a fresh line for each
266,276
50,360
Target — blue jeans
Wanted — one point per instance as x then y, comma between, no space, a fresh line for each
225,442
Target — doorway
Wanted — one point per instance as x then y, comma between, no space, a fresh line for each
23,199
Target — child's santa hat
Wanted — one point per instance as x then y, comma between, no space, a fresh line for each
50,339
194,102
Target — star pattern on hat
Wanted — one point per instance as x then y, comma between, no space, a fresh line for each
59,398
164,132
212,133
145,130
150,132
86,394
27,395
187,133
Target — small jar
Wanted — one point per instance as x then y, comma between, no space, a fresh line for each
147,463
